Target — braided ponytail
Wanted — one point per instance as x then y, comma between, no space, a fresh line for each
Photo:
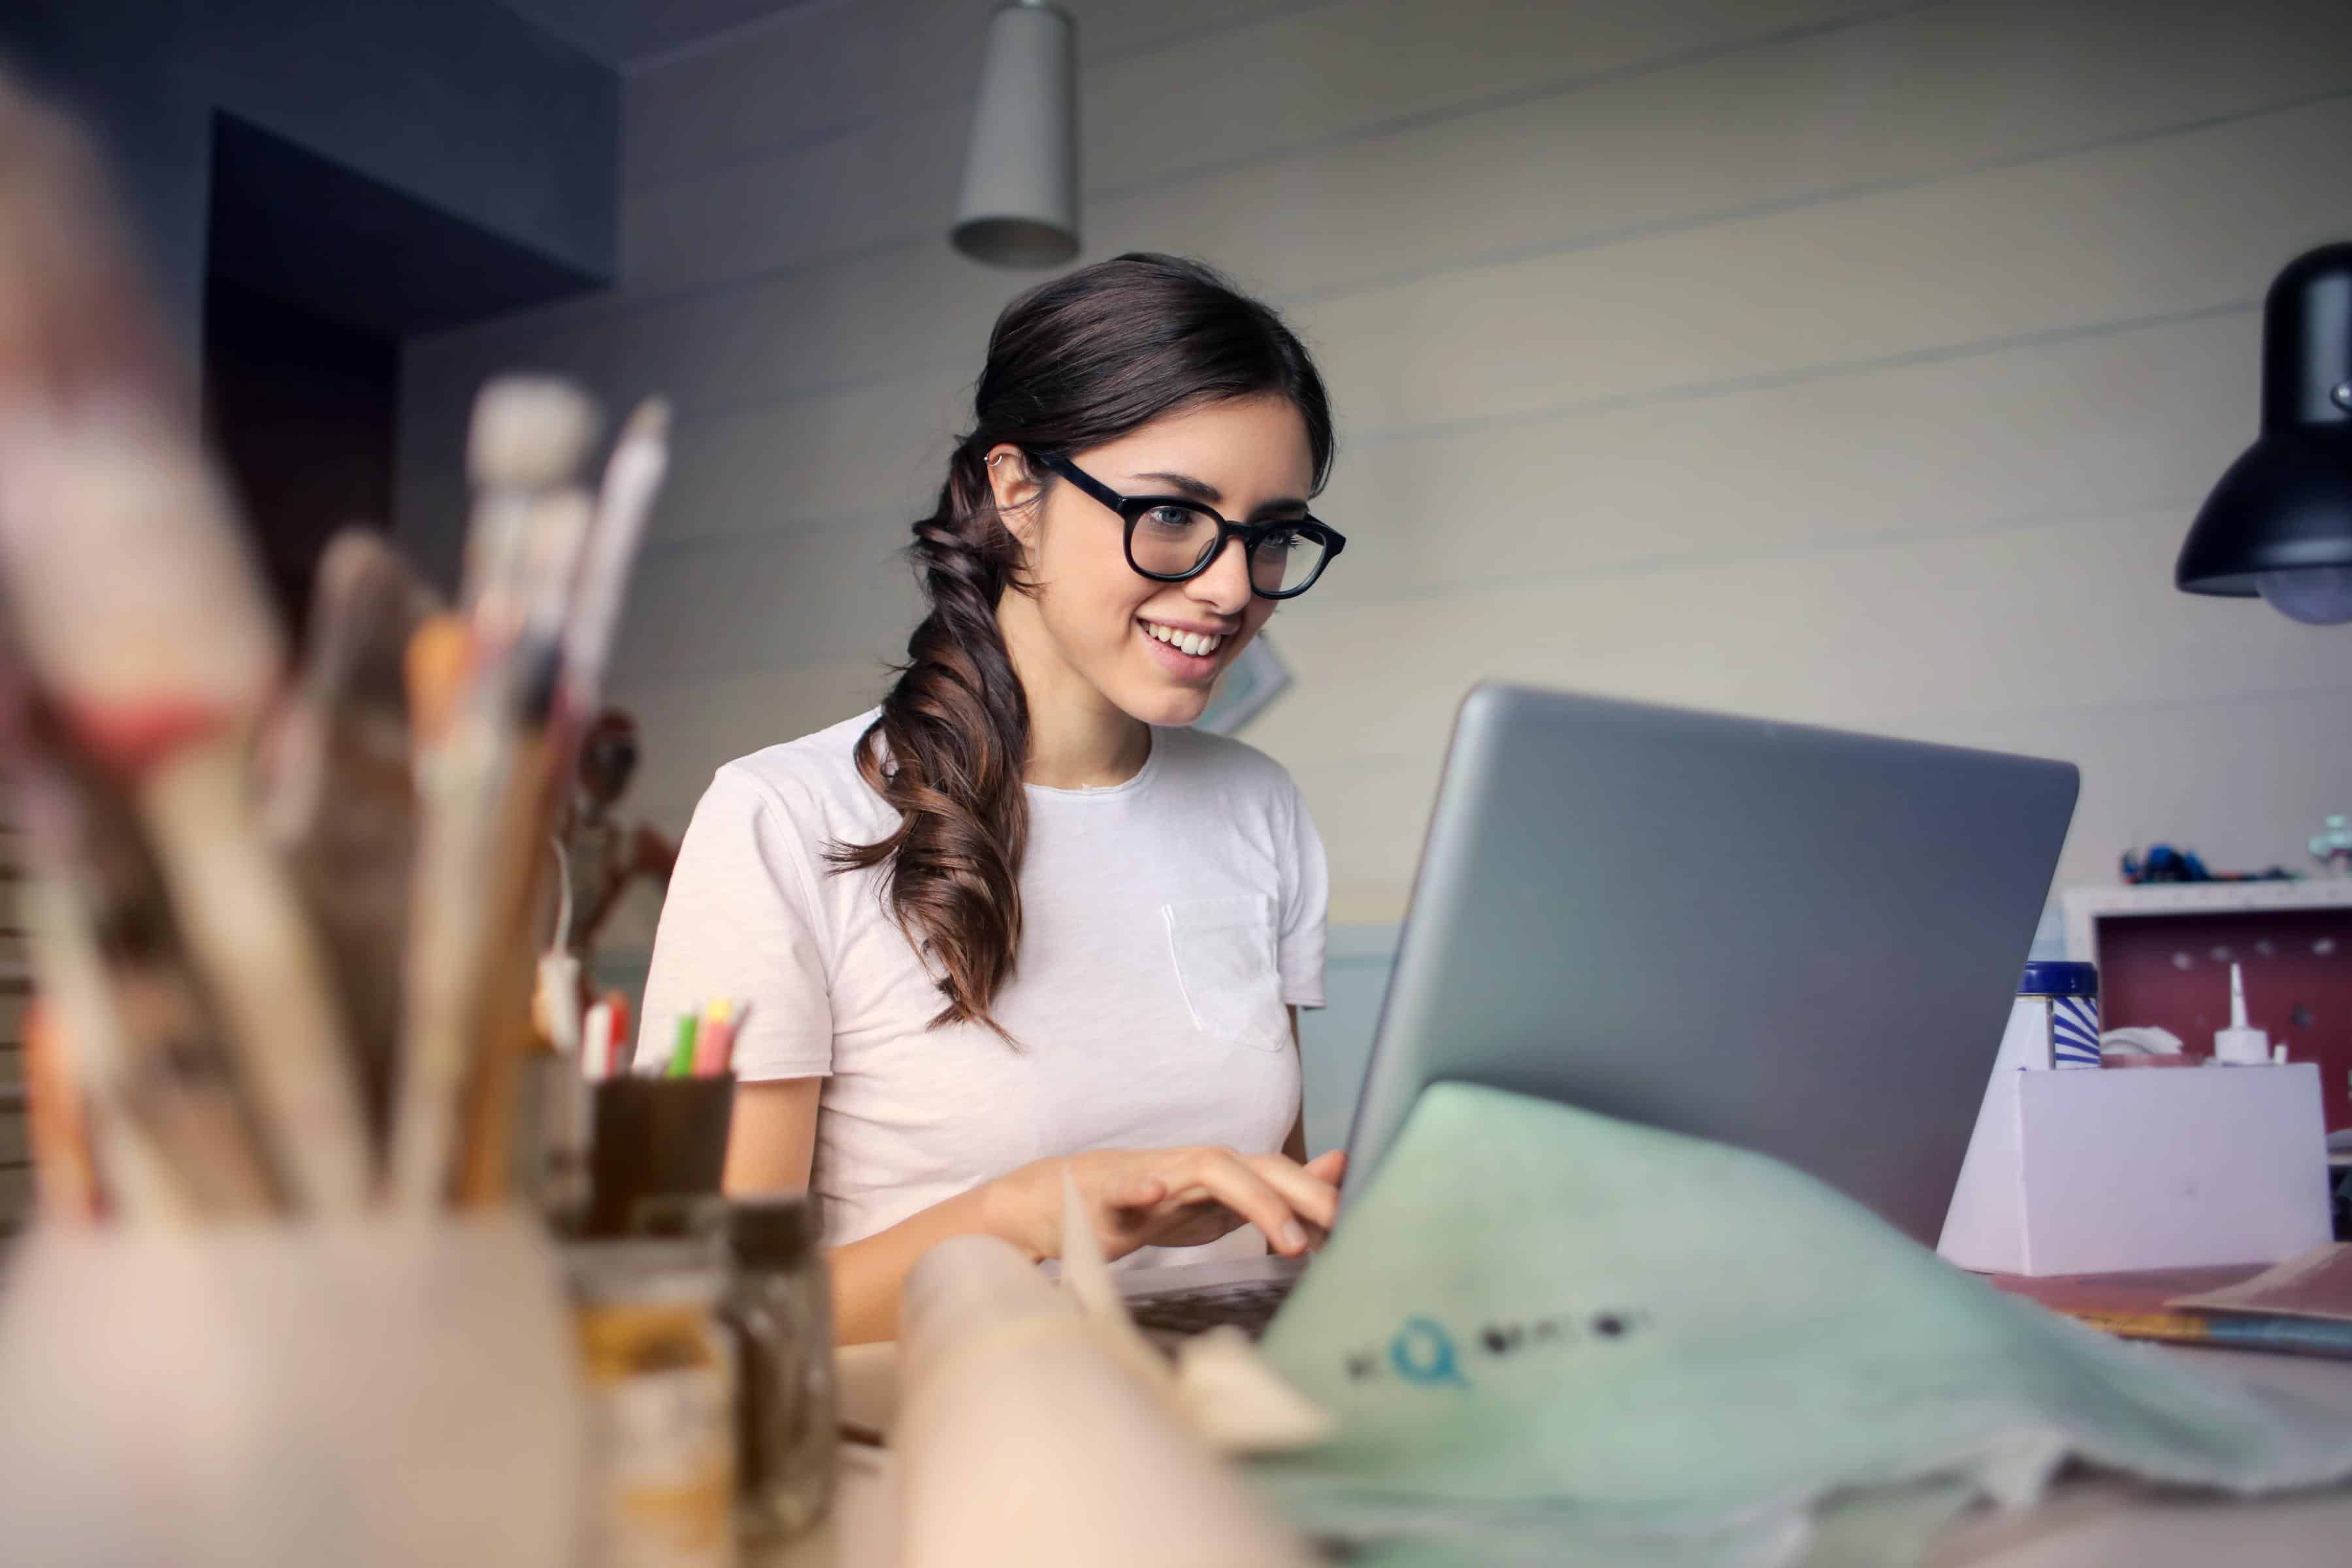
1074,363
946,753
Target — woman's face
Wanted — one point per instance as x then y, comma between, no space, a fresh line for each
1105,625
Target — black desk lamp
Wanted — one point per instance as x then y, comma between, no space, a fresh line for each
2280,522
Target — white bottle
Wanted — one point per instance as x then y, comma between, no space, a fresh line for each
2238,1046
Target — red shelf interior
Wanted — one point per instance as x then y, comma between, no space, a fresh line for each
2173,971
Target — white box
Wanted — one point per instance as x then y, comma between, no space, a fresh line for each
2098,1171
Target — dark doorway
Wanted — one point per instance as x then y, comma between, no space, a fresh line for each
301,411
315,274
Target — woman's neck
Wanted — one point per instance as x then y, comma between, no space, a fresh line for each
1075,751
1077,738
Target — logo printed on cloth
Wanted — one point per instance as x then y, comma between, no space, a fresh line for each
1426,1352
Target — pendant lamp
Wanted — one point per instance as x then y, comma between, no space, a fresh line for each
2280,522
1018,205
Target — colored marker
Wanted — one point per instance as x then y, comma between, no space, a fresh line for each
619,1003
710,1040
722,1057
681,1055
596,1043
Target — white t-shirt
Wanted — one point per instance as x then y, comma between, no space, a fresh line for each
1167,921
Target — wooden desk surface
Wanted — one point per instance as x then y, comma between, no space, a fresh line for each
2083,1523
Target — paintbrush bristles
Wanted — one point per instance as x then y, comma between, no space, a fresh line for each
147,598
649,422
529,432
131,581
437,654
631,478
74,314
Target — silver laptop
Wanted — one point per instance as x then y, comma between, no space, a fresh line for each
1798,941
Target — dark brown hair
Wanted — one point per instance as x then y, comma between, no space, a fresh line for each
1072,364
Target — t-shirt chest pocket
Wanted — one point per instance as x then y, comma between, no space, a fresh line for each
1224,957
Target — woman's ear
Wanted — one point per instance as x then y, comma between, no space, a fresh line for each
1016,489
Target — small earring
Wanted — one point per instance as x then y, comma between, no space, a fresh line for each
996,460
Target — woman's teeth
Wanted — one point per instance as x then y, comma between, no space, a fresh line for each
1200,645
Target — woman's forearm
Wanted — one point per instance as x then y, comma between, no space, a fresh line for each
867,1274
771,1148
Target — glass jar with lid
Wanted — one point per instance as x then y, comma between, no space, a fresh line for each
779,1304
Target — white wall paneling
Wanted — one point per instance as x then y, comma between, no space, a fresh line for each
1851,362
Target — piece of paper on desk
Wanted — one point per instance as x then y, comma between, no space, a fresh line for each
2141,1041
1551,1337
2318,1284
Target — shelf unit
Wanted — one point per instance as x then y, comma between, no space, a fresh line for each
2086,906
2164,954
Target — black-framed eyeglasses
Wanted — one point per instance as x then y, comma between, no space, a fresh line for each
1172,540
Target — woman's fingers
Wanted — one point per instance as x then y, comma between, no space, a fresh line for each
1329,1166
1137,1190
1313,1196
1294,1205
1230,1181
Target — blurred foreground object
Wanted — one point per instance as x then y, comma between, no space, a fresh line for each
336,797
1027,1437
367,1394
282,924
280,931
148,638
1782,1366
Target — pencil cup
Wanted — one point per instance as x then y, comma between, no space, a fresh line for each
365,1394
655,1137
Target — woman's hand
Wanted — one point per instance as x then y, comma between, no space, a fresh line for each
1169,1197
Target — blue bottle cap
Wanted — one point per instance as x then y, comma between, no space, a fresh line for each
2053,977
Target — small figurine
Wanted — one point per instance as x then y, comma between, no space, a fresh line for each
603,857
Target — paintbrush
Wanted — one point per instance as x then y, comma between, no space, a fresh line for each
72,315
130,1056
57,1125
337,791
157,1078
143,620
132,1064
504,1034
483,788
580,637
87,1034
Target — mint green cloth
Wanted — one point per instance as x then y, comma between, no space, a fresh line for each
1550,1337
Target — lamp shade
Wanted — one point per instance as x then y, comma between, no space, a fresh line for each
2280,522
1018,205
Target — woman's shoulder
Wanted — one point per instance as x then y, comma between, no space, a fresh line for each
1224,762
812,778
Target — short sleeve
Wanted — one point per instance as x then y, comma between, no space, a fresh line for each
739,922
1305,907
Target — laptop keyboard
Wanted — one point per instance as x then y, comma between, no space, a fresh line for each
1248,1305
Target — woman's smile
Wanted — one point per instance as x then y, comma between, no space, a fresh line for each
1190,653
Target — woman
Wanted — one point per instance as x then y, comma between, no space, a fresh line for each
1018,924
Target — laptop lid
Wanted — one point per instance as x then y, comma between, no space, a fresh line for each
1798,941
